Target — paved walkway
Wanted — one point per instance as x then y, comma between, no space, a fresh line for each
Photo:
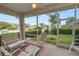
53,50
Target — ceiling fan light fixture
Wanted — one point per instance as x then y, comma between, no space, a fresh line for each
34,6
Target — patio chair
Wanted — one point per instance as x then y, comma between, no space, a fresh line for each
31,50
11,41
15,45
4,52
43,38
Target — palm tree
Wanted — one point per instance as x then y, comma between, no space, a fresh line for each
42,25
70,19
53,21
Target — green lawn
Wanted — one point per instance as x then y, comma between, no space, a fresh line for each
35,38
51,41
66,39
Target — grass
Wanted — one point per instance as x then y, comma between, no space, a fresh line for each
9,35
66,39
35,38
51,41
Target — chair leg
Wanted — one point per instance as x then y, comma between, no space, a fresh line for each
70,49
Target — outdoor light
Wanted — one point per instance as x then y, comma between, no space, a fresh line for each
34,5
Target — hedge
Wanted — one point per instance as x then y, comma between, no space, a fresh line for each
33,31
77,36
64,31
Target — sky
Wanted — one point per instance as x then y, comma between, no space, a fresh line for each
41,18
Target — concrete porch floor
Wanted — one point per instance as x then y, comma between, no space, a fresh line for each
53,50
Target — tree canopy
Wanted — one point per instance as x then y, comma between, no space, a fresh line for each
53,20
70,19
6,25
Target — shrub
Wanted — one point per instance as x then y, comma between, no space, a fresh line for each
77,36
33,31
77,32
64,31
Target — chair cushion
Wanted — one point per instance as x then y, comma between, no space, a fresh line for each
16,43
32,49
22,53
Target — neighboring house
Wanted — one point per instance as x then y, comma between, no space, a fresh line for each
26,27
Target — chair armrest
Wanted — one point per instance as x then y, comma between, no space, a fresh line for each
15,51
6,53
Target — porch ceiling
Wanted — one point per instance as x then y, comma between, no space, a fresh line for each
22,7
26,8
